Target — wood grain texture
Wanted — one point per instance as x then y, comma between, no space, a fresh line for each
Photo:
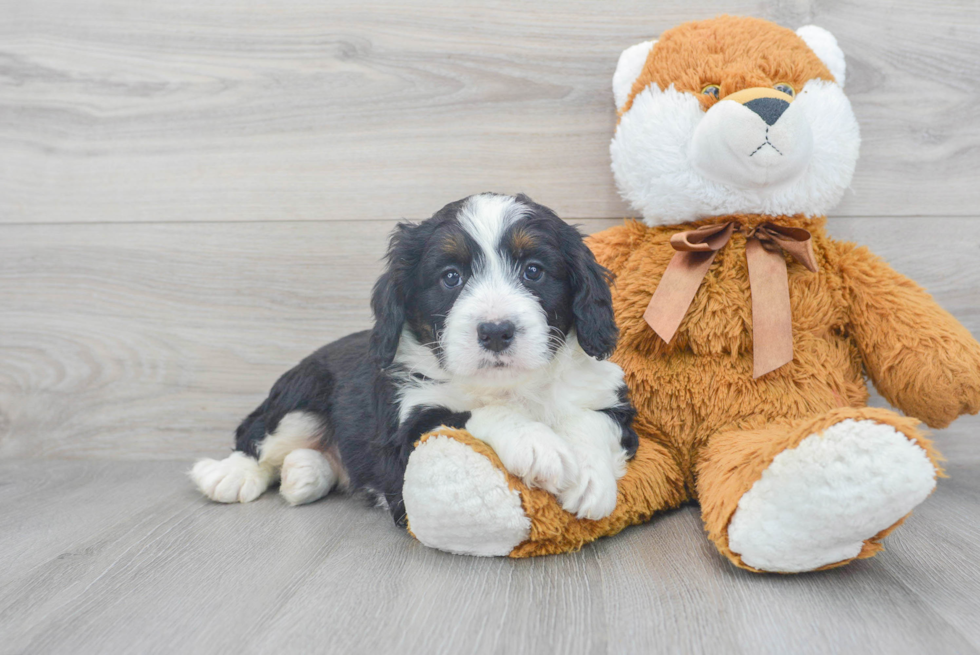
194,195
135,341
143,564
253,111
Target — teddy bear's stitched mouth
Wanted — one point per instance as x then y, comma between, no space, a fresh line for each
767,142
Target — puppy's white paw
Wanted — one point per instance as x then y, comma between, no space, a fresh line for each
539,457
594,495
306,476
237,478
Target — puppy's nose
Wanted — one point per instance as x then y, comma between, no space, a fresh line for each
495,336
768,109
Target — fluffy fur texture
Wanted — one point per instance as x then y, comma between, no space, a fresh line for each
306,475
492,314
629,67
816,504
680,154
814,477
461,502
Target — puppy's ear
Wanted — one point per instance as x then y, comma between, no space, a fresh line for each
388,298
595,323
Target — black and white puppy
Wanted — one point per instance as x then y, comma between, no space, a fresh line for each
493,316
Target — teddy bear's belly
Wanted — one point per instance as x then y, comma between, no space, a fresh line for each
685,396
701,382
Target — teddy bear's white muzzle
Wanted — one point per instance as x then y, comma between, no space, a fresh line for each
757,145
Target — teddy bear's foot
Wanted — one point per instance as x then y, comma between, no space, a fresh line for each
817,504
458,501
460,498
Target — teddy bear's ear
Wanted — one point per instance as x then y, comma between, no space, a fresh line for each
824,45
628,69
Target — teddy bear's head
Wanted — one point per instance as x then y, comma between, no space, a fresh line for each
733,115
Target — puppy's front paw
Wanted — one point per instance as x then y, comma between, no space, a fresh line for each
594,495
540,458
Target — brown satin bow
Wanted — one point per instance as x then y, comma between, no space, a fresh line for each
772,321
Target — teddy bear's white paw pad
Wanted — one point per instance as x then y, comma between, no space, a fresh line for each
457,501
817,503
237,478
306,476
593,496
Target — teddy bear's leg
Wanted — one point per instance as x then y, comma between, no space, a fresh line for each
814,493
459,498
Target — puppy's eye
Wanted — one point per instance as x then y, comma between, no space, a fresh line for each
711,90
782,87
533,272
451,278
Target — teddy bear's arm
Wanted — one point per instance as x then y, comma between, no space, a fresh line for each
920,358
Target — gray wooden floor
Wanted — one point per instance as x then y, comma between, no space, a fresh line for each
123,557
195,195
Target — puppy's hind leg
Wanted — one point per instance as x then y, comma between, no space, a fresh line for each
245,474
307,475
237,478
291,451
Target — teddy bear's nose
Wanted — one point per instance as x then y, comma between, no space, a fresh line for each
768,109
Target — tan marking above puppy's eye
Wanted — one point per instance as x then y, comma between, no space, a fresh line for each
455,245
522,240
782,87
711,90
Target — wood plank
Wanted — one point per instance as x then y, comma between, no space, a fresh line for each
941,569
243,111
171,572
134,341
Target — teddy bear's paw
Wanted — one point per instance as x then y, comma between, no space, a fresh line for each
539,457
456,500
306,476
594,495
817,503
237,478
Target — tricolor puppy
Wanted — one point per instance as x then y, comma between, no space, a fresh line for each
492,315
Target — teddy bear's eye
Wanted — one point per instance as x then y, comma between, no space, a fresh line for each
785,88
711,90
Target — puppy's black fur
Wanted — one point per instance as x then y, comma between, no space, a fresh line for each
357,400
352,384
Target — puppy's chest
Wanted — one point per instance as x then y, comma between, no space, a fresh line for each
539,402
549,397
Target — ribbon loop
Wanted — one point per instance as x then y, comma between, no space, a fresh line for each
696,250
772,322
703,239
795,241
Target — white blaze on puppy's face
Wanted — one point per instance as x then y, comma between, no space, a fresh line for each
493,295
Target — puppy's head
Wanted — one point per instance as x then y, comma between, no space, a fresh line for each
733,115
492,285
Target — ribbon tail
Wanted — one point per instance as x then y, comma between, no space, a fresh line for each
676,290
772,321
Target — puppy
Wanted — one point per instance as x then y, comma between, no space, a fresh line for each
492,316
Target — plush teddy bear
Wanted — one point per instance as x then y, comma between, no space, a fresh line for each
746,331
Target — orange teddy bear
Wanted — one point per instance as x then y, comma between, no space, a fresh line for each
746,331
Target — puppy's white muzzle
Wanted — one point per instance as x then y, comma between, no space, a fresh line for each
489,300
754,139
